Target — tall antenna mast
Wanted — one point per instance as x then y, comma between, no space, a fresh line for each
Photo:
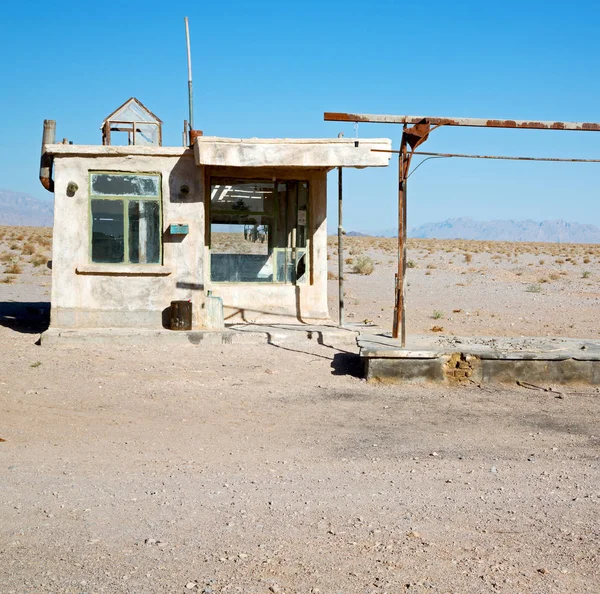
189,60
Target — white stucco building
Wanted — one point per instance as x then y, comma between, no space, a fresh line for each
139,226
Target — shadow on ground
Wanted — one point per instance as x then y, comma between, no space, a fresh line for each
347,364
25,317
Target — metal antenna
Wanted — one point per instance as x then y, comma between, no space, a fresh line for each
189,61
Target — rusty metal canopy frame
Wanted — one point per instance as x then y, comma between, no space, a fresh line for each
412,138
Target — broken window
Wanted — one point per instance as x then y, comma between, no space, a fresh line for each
126,218
258,231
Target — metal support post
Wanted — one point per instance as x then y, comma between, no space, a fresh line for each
340,251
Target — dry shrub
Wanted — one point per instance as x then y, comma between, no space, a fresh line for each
349,260
468,258
39,260
7,280
332,276
28,249
6,257
13,269
364,265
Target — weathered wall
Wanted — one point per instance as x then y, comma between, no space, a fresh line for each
113,295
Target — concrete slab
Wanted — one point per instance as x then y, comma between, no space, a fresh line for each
237,334
484,359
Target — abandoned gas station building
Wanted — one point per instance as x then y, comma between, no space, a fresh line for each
138,225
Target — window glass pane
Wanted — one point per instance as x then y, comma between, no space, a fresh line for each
146,134
108,238
125,184
242,197
144,232
240,253
301,266
259,230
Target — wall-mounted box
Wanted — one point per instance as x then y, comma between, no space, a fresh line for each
179,229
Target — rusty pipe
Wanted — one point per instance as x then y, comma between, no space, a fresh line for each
48,137
472,122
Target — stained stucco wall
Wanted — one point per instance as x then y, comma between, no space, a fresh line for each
104,295
89,295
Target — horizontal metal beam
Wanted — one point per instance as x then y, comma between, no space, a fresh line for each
499,157
472,122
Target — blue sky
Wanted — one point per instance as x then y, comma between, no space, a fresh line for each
271,68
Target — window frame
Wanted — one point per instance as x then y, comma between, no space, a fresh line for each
274,215
125,200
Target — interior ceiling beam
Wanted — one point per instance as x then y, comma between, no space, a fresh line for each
472,122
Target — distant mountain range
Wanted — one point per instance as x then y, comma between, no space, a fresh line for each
18,208
466,228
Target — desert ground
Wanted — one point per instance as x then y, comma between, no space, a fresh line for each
227,469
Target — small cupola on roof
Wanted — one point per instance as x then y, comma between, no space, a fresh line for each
135,120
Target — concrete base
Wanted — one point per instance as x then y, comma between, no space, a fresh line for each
237,334
539,361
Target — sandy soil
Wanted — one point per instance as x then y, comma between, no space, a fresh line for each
474,288
269,469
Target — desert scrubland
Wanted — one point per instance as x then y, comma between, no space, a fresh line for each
278,469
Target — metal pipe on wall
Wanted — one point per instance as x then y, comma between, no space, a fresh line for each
48,137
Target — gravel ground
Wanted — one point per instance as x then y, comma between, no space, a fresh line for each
267,469
229,469
472,288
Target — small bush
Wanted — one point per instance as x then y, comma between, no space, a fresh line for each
534,289
38,260
364,265
13,269
7,280
437,314
332,276
468,258
411,264
349,260
28,249
586,274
